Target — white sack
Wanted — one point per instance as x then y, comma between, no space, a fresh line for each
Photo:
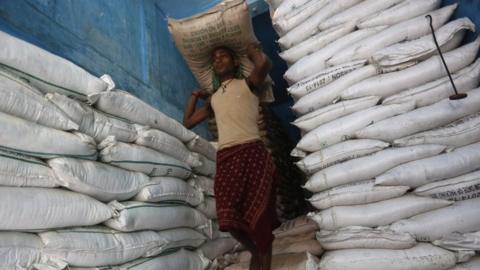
285,23
364,237
182,259
400,12
207,167
19,99
460,241
406,30
31,139
345,127
295,261
322,78
202,146
136,216
92,122
217,247
203,183
473,264
142,159
423,171
161,189
465,79
19,250
339,152
424,46
208,207
309,27
125,105
328,93
420,257
459,188
425,118
296,226
460,217
287,7
22,171
315,43
377,213
368,167
358,12
331,112
355,194
167,144
317,61
41,208
46,71
97,246
388,84
98,180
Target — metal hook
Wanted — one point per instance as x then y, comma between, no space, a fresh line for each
456,95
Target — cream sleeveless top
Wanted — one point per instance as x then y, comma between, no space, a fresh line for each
236,113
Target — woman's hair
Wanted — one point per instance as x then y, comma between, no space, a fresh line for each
238,70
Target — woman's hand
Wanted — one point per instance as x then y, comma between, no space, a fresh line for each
254,49
201,94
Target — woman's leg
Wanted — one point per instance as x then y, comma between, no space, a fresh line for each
250,246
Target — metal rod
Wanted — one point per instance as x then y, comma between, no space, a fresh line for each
456,95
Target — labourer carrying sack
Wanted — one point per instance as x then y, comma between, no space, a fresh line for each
244,182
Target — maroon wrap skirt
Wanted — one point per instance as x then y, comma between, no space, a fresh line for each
245,192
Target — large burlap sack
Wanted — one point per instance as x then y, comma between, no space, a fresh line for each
472,264
459,188
400,12
164,189
98,246
285,23
316,62
167,144
309,27
423,171
297,226
23,251
92,122
356,193
338,153
31,139
388,84
328,93
358,12
423,47
460,241
181,259
299,261
226,24
420,257
19,99
433,225
322,78
377,213
345,127
329,113
369,167
465,79
42,208
46,71
22,171
136,216
364,237
315,43
459,133
130,108
98,180
422,119
406,30
142,159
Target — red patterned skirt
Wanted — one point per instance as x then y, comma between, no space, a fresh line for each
245,192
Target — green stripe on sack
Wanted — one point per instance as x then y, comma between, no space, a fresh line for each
25,160
160,205
45,155
43,81
151,163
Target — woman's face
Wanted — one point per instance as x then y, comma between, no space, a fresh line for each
223,62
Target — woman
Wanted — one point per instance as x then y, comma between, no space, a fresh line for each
244,183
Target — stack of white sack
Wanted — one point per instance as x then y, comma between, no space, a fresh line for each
385,178
57,186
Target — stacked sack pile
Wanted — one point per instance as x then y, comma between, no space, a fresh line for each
392,161
94,177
